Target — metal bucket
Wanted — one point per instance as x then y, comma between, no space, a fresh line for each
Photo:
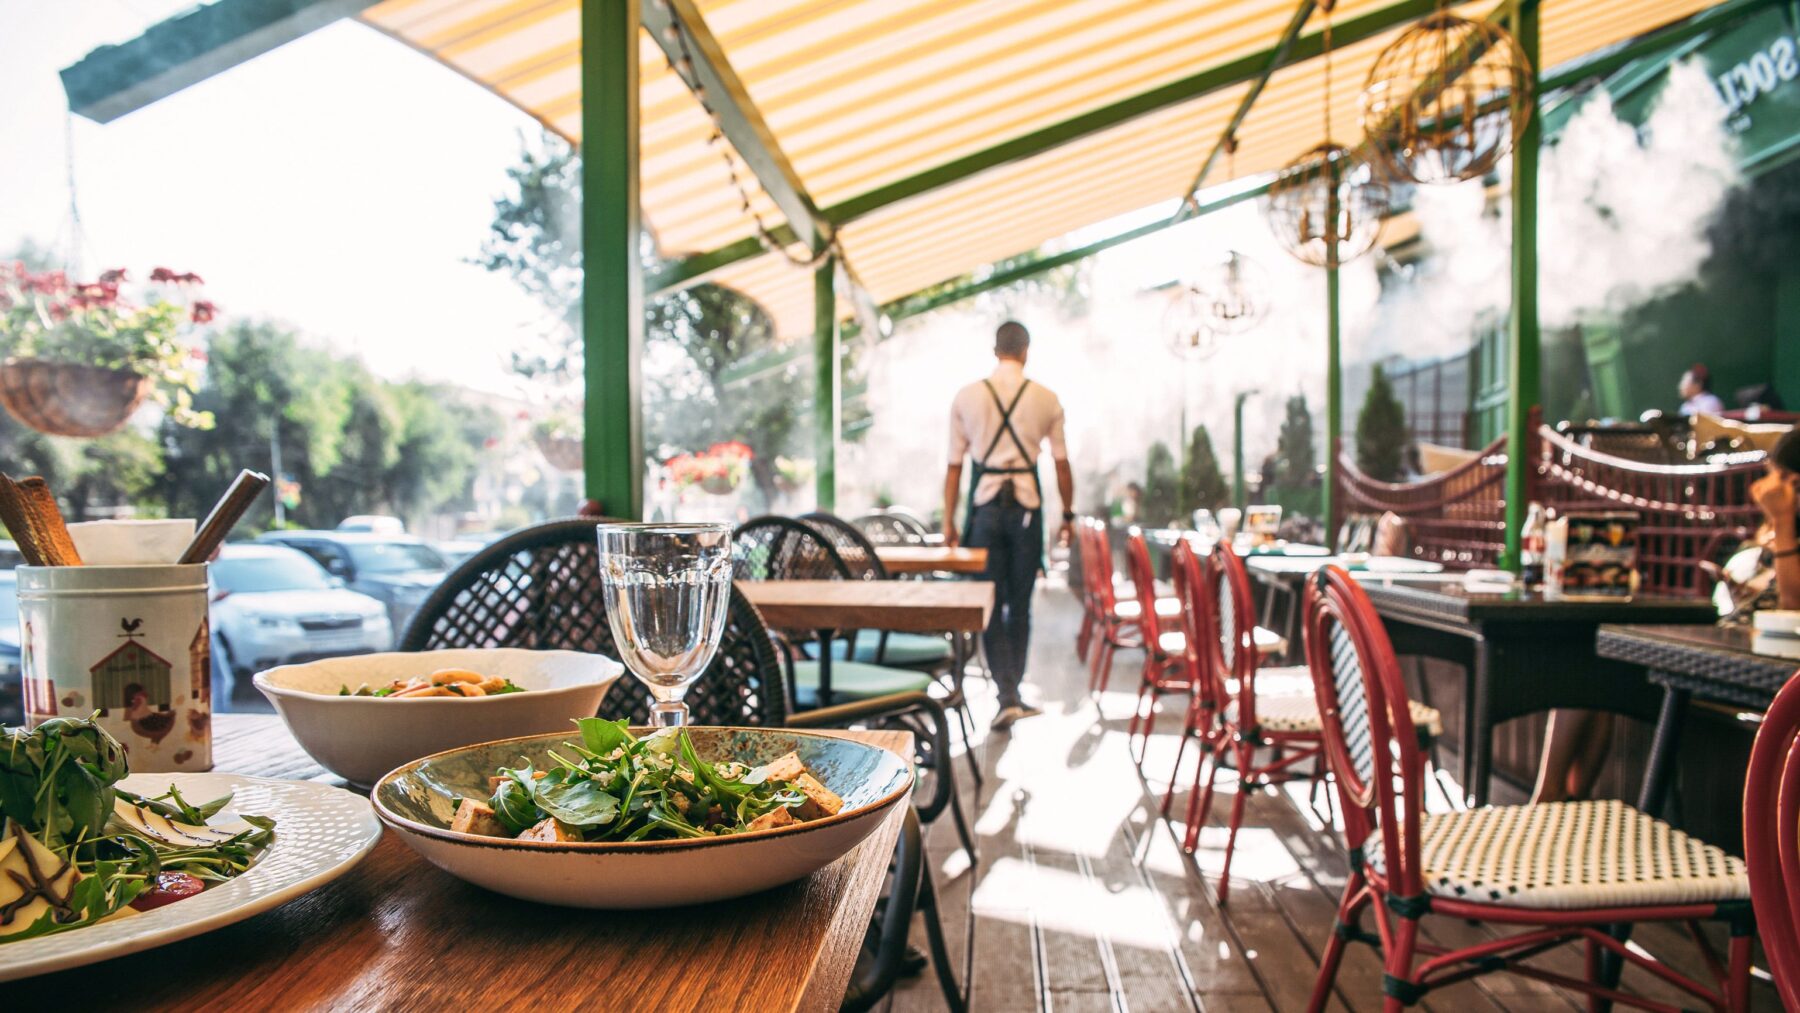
128,644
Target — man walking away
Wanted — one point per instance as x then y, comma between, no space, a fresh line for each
1000,424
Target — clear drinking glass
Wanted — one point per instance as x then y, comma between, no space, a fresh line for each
667,588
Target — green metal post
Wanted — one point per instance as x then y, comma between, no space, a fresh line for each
1522,352
612,284
827,404
1334,378
1239,498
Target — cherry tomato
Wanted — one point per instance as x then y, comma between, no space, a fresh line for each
167,888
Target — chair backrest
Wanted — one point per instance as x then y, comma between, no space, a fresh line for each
539,588
1143,580
1199,611
884,527
1101,534
1084,564
853,547
1233,639
1370,741
1772,838
781,548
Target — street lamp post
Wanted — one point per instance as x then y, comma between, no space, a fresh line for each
1237,446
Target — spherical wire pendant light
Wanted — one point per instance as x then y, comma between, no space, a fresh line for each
1186,325
1233,294
1326,206
1447,100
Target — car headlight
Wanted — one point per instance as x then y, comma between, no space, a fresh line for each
274,622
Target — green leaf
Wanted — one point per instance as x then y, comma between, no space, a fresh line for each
507,687
581,803
602,736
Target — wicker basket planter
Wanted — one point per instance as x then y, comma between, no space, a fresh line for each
70,399
563,452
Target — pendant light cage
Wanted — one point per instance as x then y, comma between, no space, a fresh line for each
1233,295
1326,206
1186,325
1447,100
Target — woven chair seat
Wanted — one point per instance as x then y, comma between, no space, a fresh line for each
1569,856
1281,709
854,680
903,649
1129,610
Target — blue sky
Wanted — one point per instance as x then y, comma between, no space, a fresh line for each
337,183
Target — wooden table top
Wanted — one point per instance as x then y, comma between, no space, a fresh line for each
931,559
397,933
909,606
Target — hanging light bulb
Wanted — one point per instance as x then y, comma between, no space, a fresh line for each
1233,294
1186,325
1447,100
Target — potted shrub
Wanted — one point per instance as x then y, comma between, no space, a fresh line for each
78,358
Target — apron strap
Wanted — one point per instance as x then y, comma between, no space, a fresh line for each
1006,428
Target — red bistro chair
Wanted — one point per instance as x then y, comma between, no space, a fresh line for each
1092,616
1166,668
1117,622
1546,874
1772,838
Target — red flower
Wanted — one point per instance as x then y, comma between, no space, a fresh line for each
190,278
113,276
203,312
162,274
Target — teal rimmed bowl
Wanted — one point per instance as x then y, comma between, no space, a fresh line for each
417,801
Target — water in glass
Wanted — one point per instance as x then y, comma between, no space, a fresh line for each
667,590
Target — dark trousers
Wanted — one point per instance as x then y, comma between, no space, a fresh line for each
1014,539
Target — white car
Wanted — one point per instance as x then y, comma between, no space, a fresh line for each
272,605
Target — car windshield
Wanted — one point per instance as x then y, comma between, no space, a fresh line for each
395,557
9,602
284,572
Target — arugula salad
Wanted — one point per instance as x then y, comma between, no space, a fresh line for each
615,786
76,849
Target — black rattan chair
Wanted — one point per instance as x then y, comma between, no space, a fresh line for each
538,588
781,548
883,528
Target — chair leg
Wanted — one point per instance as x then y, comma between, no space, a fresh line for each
1187,730
1103,671
1349,912
1200,800
1084,637
1237,819
1737,982
1400,959
956,998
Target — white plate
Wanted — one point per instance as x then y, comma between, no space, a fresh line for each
320,832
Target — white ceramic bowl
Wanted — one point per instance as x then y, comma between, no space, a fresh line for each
416,801
360,738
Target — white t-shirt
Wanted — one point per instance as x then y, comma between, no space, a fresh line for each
1703,403
975,419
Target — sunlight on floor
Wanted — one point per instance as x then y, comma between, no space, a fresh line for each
1067,902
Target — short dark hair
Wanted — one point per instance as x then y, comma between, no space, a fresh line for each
1701,375
1011,339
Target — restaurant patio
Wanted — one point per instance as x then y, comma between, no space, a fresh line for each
1475,696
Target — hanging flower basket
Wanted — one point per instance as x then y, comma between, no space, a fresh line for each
718,485
70,399
563,452
717,471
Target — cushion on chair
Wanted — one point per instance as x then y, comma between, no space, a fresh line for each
1568,855
854,680
903,649
1129,609
1268,642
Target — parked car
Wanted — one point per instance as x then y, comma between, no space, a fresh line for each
272,605
10,556
458,550
397,570
378,524
12,699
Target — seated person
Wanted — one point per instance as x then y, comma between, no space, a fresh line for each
1778,494
1696,393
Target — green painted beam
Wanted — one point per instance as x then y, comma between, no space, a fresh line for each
1228,140
190,47
1523,363
612,289
828,406
1334,372
738,118
913,305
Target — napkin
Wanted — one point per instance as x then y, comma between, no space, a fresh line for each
132,543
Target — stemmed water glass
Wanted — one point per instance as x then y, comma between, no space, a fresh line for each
667,587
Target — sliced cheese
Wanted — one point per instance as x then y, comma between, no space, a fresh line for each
158,827
15,869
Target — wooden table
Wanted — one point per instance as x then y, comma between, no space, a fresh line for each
931,559
906,606
1523,653
397,933
1712,663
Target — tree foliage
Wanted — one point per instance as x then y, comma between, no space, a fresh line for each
1381,431
1296,456
1203,485
1162,491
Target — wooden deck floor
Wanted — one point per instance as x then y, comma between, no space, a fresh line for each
1083,900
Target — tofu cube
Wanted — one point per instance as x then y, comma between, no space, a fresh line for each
782,817
496,780
820,801
549,830
787,768
473,817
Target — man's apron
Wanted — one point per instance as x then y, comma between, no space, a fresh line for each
981,468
